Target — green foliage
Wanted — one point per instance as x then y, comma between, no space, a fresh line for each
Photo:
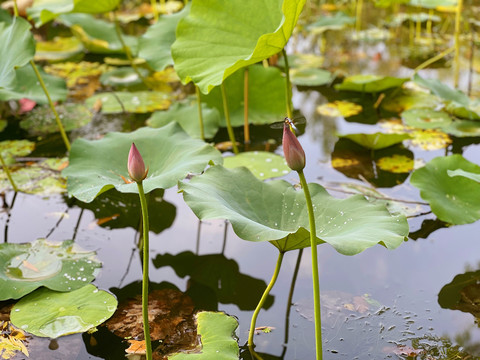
276,212
370,83
133,102
264,165
377,140
425,118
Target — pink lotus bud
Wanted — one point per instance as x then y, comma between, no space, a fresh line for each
136,166
292,150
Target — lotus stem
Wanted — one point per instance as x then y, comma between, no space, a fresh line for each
260,304
358,16
316,285
290,295
231,134
200,115
146,260
153,3
458,16
7,172
288,84
429,23
433,59
246,128
52,105
15,8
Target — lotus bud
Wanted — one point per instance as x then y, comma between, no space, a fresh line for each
292,150
136,166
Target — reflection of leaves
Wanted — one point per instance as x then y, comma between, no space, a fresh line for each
463,293
219,276
123,210
428,226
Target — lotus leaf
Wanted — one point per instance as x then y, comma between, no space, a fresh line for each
370,83
44,11
9,149
262,164
266,96
186,115
122,77
335,22
340,108
432,4
217,38
49,313
463,128
430,139
58,49
376,141
170,154
409,99
469,112
442,91
17,49
217,332
454,199
135,102
25,85
154,46
59,267
311,77
276,212
425,118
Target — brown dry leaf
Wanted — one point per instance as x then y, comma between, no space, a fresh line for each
11,341
136,347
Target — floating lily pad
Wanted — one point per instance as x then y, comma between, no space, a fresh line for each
170,154
77,73
52,314
311,77
376,141
339,108
60,267
456,199
12,148
266,96
335,22
262,164
134,102
58,49
396,164
186,114
217,336
409,99
425,118
41,121
469,112
122,77
370,83
430,139
463,128
432,4
216,38
442,90
276,212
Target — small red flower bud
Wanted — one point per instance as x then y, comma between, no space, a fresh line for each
136,166
292,150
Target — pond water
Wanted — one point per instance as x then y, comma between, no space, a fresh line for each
379,304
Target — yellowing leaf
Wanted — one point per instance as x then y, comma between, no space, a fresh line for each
344,162
396,164
430,139
11,341
339,108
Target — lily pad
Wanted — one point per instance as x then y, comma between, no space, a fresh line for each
264,165
59,267
12,148
376,141
311,77
266,96
425,118
370,83
17,49
122,77
170,154
432,4
339,108
276,212
154,46
217,336
134,102
41,121
186,115
216,38
456,199
58,49
396,164
442,90
463,128
52,314
408,99
335,22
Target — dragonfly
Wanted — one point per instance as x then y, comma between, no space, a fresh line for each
290,122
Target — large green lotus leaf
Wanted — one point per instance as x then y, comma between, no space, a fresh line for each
219,275
377,140
60,267
468,175
186,114
370,83
58,49
469,112
25,85
98,36
52,314
266,96
217,336
276,212
264,165
100,165
44,11
442,91
424,118
217,38
16,49
134,102
154,46
454,199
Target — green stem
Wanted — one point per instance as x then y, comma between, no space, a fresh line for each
231,134
200,115
288,84
457,42
358,16
316,286
246,128
153,3
433,59
146,260
15,8
7,172
260,304
52,106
